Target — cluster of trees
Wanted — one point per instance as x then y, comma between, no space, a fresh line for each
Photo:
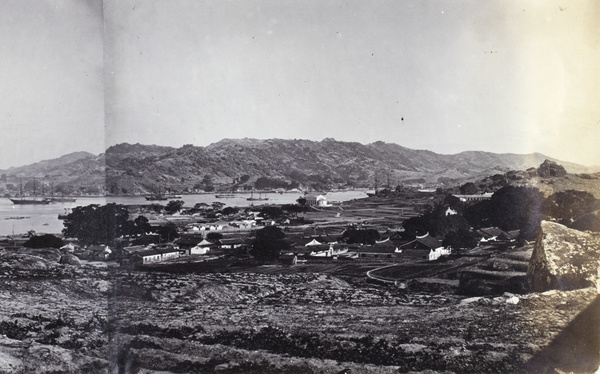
44,241
510,208
94,224
573,209
268,243
360,236
265,182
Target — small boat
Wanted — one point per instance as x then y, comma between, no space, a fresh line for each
225,196
154,197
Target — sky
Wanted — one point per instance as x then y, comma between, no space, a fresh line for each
447,76
51,79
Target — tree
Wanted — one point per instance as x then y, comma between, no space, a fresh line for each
363,236
268,243
141,226
301,201
229,210
174,206
510,208
294,209
167,232
44,241
436,223
468,188
568,206
95,224
459,239
271,212
517,208
207,183
213,236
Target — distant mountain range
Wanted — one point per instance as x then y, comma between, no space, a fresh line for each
135,168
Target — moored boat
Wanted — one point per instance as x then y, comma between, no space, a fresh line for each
225,196
63,199
156,197
259,198
30,200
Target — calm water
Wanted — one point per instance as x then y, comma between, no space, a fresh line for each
44,218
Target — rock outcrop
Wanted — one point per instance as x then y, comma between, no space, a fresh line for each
588,222
551,169
70,259
564,259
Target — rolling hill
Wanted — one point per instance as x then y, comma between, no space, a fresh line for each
135,168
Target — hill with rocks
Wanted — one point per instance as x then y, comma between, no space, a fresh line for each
298,163
549,177
72,174
247,163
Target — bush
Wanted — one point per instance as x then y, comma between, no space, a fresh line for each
44,241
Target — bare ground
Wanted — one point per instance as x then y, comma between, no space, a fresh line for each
65,319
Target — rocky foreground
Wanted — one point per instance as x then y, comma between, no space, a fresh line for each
65,318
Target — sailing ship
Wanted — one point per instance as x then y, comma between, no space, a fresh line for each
62,198
156,196
259,198
227,194
29,200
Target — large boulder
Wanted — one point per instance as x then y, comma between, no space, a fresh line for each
564,259
49,254
588,222
551,169
70,259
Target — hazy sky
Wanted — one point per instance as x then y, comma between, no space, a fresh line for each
449,76
51,79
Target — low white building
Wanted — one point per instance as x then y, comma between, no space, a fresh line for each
201,248
316,200
434,254
154,255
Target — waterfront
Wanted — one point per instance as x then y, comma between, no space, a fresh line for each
20,219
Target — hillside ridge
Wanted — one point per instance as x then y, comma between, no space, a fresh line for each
136,168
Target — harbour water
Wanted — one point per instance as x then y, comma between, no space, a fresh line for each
20,219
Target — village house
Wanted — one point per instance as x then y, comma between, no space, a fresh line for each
424,247
231,243
384,250
154,255
202,248
130,250
97,253
474,197
495,235
316,200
